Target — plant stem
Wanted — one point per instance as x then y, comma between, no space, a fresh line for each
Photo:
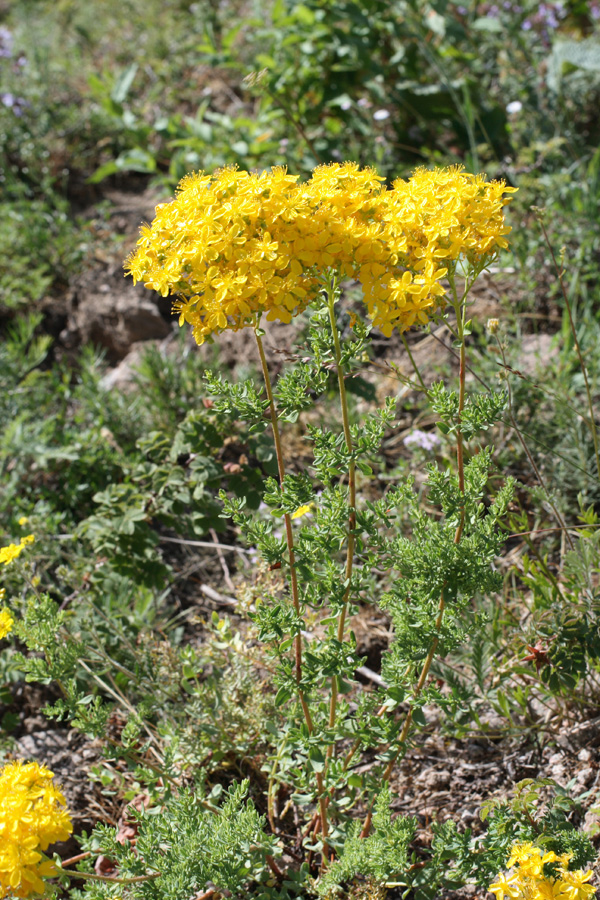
287,518
271,786
414,365
460,309
577,345
293,582
75,859
89,876
331,297
297,123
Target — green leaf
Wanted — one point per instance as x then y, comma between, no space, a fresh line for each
487,23
282,696
123,84
568,55
418,717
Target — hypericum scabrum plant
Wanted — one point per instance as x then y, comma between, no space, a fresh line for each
231,249
235,246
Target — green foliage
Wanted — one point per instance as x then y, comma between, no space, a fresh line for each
297,389
241,400
20,354
57,660
383,855
190,846
164,489
539,811
42,248
480,411
432,565
565,618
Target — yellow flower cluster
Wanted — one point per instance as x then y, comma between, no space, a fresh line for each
6,622
10,553
429,222
32,816
235,245
219,246
528,881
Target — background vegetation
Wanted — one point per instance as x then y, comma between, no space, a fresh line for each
112,100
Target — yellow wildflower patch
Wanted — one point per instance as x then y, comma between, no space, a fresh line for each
528,881
6,622
32,816
13,551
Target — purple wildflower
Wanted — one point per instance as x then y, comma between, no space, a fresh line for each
426,440
6,42
17,104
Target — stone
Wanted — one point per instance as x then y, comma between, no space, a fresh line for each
586,776
434,779
122,377
107,310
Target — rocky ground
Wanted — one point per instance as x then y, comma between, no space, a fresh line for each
440,777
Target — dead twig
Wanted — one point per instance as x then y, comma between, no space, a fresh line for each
224,566
210,544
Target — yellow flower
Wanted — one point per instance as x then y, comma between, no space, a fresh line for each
524,853
6,622
429,220
23,521
32,816
505,886
573,885
302,510
10,553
